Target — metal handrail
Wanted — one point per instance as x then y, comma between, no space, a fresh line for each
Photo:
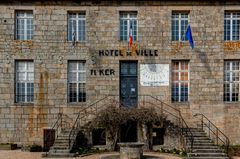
56,126
146,99
76,124
217,133
181,122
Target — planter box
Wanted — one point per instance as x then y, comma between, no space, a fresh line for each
8,146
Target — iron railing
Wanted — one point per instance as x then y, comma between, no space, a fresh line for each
172,114
213,131
91,109
57,127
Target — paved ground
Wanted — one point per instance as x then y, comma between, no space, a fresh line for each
18,154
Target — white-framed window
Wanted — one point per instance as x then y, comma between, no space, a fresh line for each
76,26
231,26
180,81
76,81
24,25
179,25
24,82
128,25
231,81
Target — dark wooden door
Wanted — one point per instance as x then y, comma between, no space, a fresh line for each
128,84
49,138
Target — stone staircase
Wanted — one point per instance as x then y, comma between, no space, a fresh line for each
204,148
60,147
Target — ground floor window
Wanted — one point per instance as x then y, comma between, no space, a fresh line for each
76,81
231,81
24,82
180,81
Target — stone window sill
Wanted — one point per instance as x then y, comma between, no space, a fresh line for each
77,104
181,103
23,104
232,104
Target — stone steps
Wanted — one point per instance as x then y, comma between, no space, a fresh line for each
204,148
59,154
207,150
60,147
209,154
203,143
207,157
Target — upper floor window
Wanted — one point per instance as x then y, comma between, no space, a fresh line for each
24,25
231,81
76,81
231,26
24,82
128,25
76,26
180,81
179,25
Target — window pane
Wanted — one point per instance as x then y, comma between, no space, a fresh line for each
81,77
24,25
76,26
180,81
24,81
82,93
175,92
127,21
231,26
179,25
76,81
73,66
72,92
231,81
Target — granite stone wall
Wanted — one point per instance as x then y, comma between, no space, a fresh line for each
50,50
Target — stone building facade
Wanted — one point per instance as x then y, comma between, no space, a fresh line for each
60,56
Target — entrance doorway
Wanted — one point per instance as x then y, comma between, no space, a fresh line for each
128,98
128,132
128,84
48,139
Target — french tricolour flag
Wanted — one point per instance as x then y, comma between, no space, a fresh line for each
130,36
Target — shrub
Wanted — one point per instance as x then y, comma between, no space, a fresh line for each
234,150
87,150
174,151
161,150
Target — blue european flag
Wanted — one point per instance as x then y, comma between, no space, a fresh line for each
188,36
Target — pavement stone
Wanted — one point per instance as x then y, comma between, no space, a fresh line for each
18,154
